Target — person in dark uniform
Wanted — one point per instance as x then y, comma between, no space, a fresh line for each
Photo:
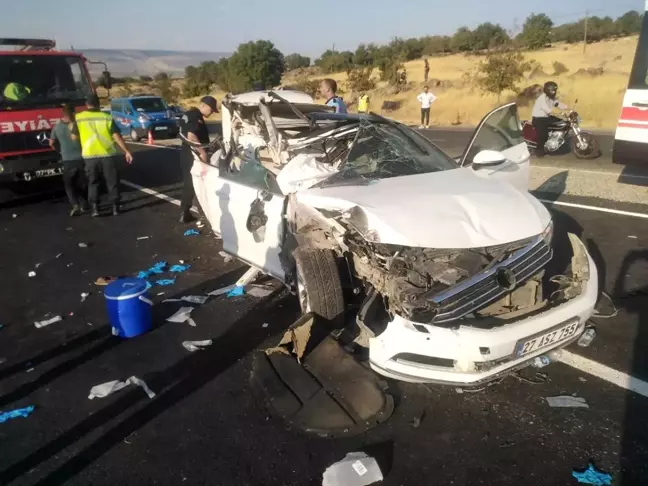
193,132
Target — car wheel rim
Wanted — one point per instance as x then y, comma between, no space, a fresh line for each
302,294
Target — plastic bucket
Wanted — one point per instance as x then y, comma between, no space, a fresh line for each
129,307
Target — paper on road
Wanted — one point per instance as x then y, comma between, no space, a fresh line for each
183,315
567,401
356,469
110,387
196,345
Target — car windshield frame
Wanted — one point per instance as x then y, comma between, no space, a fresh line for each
151,108
51,80
396,144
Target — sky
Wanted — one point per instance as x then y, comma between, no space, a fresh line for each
305,26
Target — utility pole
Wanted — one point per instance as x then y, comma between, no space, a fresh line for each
585,39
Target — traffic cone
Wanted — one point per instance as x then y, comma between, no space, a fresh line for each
150,138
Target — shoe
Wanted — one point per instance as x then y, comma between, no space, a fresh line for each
95,210
427,127
76,210
115,210
421,127
187,217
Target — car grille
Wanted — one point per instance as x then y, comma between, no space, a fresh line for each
17,142
482,289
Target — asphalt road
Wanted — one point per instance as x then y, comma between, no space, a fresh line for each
207,426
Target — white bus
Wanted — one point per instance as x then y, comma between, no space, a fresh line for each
631,137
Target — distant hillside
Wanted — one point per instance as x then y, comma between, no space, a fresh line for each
129,62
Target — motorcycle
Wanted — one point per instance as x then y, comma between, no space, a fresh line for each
565,130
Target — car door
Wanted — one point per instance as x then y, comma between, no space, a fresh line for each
246,210
501,131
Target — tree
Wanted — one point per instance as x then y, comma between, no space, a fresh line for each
501,71
362,56
161,77
296,61
536,32
146,79
436,44
254,64
334,61
629,23
488,36
463,40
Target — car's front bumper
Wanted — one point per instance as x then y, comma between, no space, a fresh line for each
468,356
30,167
160,129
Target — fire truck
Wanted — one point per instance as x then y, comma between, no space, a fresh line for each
48,79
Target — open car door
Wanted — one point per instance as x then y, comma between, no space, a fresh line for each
497,149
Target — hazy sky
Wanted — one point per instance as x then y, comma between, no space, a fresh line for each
305,26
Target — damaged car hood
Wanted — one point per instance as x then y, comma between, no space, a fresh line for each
449,209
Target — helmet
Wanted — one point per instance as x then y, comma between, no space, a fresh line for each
550,89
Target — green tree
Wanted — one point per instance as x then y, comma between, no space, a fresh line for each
536,32
488,36
501,71
161,77
296,61
436,44
629,23
463,40
362,56
254,63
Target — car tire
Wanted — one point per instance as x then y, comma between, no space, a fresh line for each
319,287
134,136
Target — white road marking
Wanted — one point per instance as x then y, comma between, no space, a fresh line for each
595,208
603,372
596,172
151,192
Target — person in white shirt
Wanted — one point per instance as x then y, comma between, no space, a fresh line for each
426,99
542,118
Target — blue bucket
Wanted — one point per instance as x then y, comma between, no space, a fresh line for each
129,307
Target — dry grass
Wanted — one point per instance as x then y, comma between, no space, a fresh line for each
600,97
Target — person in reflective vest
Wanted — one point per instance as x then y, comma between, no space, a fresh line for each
100,140
363,103
15,92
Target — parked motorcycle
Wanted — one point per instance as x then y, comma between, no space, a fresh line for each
566,130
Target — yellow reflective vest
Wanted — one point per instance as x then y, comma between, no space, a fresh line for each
95,134
363,104
15,91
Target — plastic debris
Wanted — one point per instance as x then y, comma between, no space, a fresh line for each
14,216
632,237
191,232
103,281
195,299
179,268
31,274
161,293
183,315
237,291
591,475
156,269
37,265
165,282
199,224
19,412
196,345
83,245
143,238
228,258
84,296
110,387
587,337
264,325
222,291
356,469
59,256
47,322
567,401
259,291
541,362
148,285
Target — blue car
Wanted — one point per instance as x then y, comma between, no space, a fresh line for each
136,116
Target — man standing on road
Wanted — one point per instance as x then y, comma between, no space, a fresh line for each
541,115
73,168
328,89
426,99
100,138
194,135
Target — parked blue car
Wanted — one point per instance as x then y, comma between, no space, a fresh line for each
136,116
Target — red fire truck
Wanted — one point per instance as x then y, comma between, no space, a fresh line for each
48,78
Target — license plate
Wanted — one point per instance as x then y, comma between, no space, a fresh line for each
48,172
161,128
564,332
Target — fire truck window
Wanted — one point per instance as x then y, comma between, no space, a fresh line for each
78,76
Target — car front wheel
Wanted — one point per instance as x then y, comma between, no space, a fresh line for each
134,136
319,287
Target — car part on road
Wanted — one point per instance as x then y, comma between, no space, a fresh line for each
356,469
588,336
316,386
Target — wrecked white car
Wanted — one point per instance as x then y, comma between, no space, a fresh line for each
443,263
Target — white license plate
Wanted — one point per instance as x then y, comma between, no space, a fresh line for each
48,172
563,333
161,128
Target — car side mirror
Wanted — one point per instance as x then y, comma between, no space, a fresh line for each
488,158
106,80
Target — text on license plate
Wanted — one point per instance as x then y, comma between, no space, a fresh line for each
544,340
161,128
48,172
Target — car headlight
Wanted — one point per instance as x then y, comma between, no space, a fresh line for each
547,234
1,168
142,119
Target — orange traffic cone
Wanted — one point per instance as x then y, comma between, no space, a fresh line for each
150,138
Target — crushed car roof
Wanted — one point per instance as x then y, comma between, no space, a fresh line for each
253,98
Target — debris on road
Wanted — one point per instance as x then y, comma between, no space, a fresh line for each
591,475
103,281
59,256
37,265
227,257
179,268
14,215
237,291
192,299
632,237
259,291
110,387
541,361
143,238
196,345
567,401
83,245
47,322
222,291
84,296
265,325
19,412
587,337
165,282
31,274
356,469
191,232
156,269
183,315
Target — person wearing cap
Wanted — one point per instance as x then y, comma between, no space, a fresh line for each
194,134
100,140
